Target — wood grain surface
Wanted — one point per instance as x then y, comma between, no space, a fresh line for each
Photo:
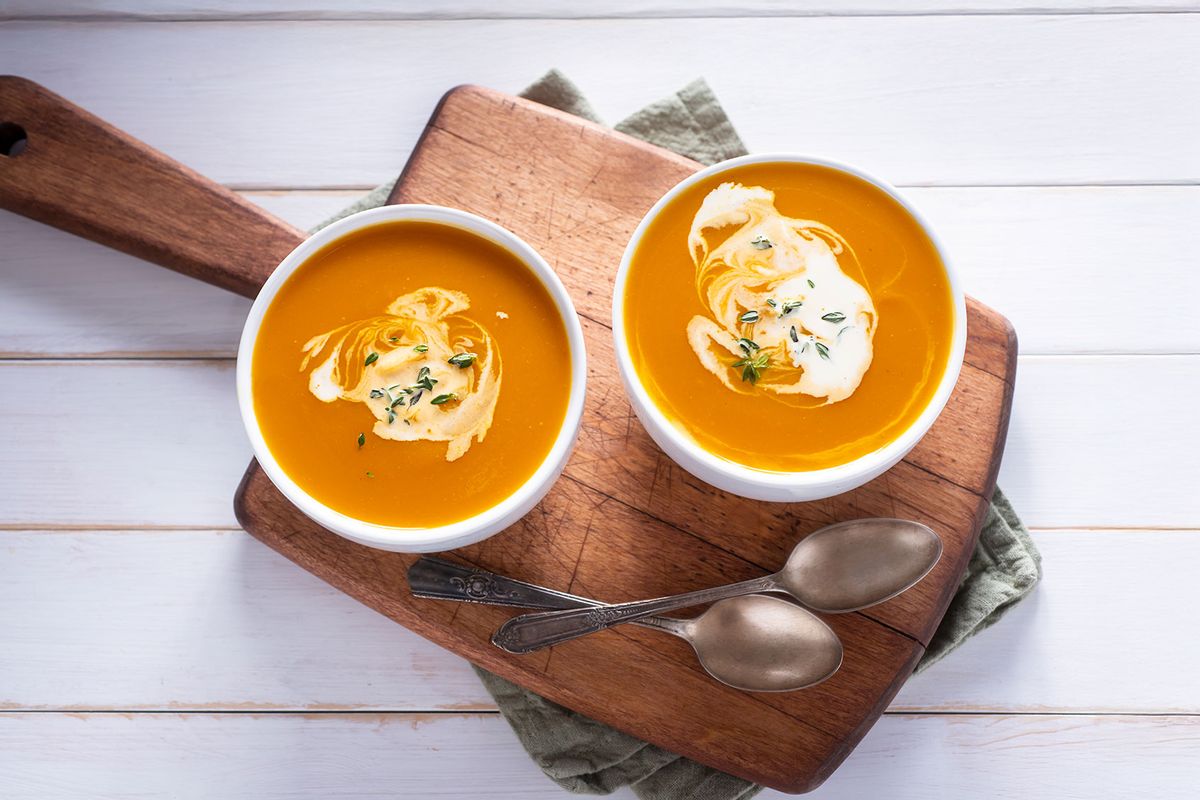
144,203
575,191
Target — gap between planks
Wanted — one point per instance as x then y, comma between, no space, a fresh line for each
357,711
264,188
759,13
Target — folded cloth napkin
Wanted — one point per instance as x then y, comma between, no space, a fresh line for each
585,756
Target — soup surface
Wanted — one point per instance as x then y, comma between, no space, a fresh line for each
788,317
411,374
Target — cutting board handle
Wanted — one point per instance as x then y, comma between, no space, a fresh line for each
65,167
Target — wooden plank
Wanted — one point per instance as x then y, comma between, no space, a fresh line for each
96,10
152,444
445,757
1075,644
131,464
1047,438
940,100
1046,257
77,638
201,620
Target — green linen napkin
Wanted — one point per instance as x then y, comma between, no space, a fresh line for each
585,756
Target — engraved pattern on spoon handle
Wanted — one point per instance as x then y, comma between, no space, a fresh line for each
530,632
438,579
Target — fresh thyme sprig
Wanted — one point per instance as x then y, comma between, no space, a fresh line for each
410,395
761,242
752,366
424,381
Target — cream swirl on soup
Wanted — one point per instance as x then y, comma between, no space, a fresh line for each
425,371
784,317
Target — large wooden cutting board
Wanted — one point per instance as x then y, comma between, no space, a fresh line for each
625,522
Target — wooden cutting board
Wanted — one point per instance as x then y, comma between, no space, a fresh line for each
623,522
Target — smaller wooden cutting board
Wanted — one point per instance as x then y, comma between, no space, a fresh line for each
624,522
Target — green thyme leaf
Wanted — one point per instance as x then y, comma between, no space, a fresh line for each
462,360
789,307
444,398
822,350
376,394
391,416
771,302
422,348
393,339
370,474
406,422
362,439
752,367
412,401
792,333
747,345
843,330
834,316
811,285
749,316
371,359
761,242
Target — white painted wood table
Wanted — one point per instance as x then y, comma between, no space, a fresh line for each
148,648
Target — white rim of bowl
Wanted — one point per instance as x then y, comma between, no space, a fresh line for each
455,534
764,479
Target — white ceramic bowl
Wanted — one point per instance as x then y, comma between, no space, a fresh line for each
762,484
457,534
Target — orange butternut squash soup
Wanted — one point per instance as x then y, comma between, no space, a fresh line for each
411,374
787,316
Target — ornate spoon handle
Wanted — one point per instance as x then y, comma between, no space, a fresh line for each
530,632
445,580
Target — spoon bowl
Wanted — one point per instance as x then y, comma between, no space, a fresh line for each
760,643
852,565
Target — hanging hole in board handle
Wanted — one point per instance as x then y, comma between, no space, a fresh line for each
13,139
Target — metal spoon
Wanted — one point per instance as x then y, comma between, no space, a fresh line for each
755,643
839,568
